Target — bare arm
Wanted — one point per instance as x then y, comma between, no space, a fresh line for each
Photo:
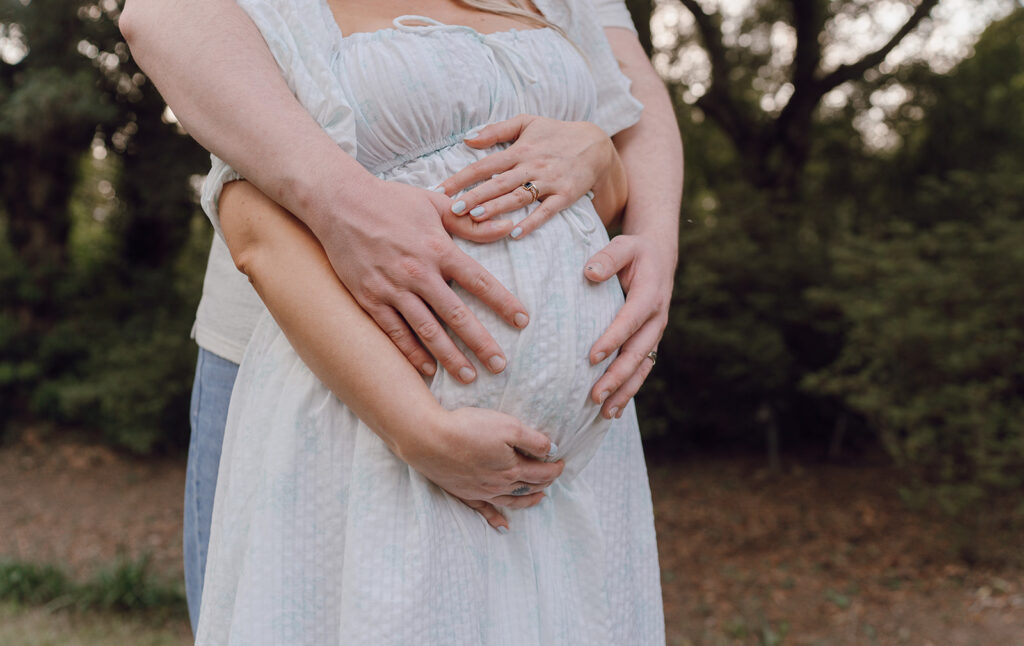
645,256
470,452
391,251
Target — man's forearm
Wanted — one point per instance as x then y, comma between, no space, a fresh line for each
217,74
651,150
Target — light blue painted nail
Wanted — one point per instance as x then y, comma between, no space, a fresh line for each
590,194
553,450
438,189
473,133
459,207
477,211
502,529
518,231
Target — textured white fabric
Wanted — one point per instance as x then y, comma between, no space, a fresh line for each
228,309
320,534
613,13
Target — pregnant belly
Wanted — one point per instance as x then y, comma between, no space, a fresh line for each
547,381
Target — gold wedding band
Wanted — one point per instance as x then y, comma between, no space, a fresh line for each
530,186
653,356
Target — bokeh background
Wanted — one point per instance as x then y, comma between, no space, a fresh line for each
835,427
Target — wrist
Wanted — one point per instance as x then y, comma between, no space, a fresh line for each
664,241
323,196
419,433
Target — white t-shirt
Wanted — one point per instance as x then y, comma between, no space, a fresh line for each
229,307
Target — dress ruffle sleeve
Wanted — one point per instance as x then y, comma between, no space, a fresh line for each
616,107
613,13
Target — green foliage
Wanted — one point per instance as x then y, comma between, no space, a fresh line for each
32,584
127,586
100,267
886,297
933,301
935,332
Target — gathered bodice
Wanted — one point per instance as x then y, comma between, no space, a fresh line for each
418,88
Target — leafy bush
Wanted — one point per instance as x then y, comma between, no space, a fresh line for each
32,584
932,352
127,586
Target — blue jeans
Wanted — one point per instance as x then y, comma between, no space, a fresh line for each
211,393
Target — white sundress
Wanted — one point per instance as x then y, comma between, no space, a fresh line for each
320,534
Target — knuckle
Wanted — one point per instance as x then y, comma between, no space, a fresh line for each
412,268
514,474
438,244
634,356
479,284
395,331
458,315
605,256
429,330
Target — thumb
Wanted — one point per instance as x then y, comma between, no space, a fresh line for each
495,133
535,444
481,232
609,261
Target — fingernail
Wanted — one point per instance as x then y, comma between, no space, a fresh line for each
438,189
459,207
497,363
502,529
518,231
477,211
428,369
553,450
521,319
600,356
473,133
614,410
590,194
466,374
596,268
603,396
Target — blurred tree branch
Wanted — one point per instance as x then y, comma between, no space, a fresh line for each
775,149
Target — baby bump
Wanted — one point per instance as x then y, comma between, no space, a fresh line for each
548,379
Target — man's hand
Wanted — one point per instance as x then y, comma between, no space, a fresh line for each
396,259
645,269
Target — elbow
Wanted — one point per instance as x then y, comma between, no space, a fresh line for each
238,223
247,262
245,248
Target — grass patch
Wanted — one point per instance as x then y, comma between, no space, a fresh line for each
40,626
127,586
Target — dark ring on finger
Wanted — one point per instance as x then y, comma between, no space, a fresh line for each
521,490
532,188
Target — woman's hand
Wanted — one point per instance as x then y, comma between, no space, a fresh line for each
564,160
646,269
483,457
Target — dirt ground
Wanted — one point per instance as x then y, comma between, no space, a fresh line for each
818,554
